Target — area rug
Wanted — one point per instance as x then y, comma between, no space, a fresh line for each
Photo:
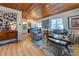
52,49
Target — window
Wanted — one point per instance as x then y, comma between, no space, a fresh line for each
57,23
39,24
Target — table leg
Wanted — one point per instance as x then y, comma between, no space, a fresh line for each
67,49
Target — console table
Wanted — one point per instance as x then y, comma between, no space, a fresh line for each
8,34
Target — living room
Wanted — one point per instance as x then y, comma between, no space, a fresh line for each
49,29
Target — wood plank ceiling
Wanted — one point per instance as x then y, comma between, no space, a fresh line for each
36,11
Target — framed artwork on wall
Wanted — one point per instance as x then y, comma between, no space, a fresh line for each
73,22
24,25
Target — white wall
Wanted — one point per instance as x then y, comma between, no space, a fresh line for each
65,16
35,23
19,18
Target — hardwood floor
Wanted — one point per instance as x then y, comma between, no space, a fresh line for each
76,49
22,48
27,48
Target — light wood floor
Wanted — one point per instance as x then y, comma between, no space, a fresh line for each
23,48
27,48
76,49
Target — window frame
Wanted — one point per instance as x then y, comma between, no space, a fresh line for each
56,23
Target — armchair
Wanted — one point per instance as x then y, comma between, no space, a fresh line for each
36,34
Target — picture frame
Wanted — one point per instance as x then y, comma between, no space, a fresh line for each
24,25
73,22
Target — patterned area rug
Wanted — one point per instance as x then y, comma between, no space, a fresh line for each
52,49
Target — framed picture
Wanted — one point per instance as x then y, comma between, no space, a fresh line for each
24,25
74,22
